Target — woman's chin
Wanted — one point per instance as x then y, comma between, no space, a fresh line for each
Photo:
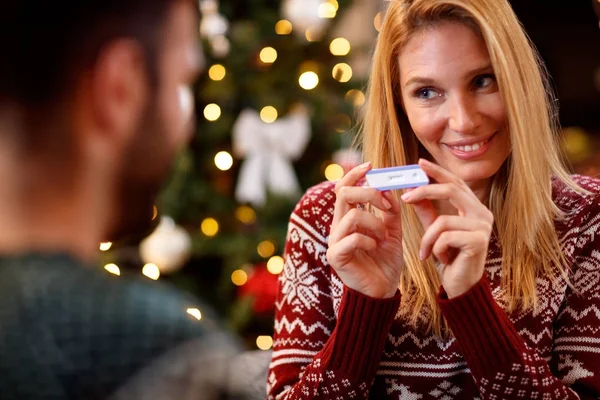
475,171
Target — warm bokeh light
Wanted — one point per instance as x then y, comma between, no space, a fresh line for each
283,27
217,72
341,123
265,249
268,114
220,46
239,277
313,34
264,342
342,72
340,46
113,269
334,172
210,227
308,80
378,21
194,312
245,214
334,3
275,265
355,97
151,271
212,112
268,55
105,246
576,143
327,10
223,160
154,212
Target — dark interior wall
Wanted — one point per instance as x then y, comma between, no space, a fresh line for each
567,34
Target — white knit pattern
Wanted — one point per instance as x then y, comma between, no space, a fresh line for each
562,334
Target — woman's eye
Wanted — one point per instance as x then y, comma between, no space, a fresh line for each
426,94
484,81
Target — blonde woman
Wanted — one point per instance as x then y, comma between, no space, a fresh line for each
484,284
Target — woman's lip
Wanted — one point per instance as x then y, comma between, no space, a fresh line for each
468,155
468,142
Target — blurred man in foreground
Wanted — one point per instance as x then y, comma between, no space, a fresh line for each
94,104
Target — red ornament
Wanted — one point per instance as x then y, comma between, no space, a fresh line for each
262,285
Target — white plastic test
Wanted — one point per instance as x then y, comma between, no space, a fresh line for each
405,177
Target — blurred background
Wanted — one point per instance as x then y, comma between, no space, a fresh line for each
276,114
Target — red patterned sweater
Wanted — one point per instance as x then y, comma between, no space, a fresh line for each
331,342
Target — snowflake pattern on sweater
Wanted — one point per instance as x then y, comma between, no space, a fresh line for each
331,342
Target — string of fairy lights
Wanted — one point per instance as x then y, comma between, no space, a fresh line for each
308,79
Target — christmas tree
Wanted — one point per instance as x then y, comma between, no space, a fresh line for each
275,106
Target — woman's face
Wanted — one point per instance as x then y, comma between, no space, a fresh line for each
452,100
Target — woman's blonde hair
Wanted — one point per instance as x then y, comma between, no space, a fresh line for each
521,193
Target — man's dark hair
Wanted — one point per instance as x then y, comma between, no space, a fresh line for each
45,45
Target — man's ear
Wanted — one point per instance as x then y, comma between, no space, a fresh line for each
119,88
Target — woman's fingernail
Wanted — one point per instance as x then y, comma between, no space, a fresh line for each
365,165
421,255
406,196
386,203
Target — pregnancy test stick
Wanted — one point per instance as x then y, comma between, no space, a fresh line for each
409,176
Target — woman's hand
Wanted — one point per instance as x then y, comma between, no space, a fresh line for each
459,242
364,250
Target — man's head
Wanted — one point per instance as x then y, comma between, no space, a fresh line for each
95,88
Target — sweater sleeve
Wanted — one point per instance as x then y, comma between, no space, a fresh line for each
315,353
503,366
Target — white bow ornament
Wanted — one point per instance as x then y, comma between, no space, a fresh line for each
269,150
